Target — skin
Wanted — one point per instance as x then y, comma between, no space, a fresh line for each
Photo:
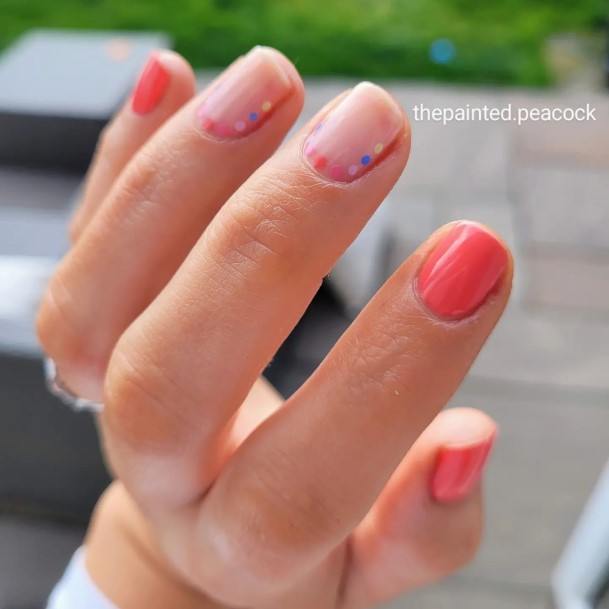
225,495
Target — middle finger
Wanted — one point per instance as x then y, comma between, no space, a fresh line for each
158,208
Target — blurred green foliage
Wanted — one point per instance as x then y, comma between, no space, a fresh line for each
497,41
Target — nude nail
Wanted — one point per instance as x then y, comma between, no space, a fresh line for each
246,96
356,134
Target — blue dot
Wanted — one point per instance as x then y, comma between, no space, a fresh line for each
253,116
366,159
442,51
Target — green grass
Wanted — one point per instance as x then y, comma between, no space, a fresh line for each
497,41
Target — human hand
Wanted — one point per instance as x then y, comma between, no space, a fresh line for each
196,250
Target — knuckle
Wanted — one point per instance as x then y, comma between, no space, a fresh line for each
261,232
137,400
55,325
272,542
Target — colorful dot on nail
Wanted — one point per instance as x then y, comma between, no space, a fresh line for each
320,161
223,130
378,148
207,124
253,116
352,170
337,172
240,125
366,159
266,106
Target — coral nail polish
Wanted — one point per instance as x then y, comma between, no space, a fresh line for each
461,271
355,135
246,96
150,87
458,470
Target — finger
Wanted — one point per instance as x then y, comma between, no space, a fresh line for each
157,210
239,293
166,83
427,523
314,469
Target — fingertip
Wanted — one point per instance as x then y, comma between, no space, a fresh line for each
459,427
183,78
287,67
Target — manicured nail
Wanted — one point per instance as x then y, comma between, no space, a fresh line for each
150,87
355,135
461,271
458,470
246,96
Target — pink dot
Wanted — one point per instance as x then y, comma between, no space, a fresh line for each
207,124
337,172
223,130
352,170
309,149
240,125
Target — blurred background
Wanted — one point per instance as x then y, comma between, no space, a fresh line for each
544,375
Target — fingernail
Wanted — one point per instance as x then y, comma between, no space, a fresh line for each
458,470
246,96
355,135
461,271
150,87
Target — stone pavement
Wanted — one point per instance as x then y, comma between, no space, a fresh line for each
544,375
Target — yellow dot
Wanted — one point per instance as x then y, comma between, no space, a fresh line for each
378,148
266,106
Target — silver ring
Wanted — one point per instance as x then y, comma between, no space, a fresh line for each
58,388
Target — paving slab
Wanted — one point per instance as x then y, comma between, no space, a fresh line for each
463,593
563,208
569,144
577,285
543,469
545,350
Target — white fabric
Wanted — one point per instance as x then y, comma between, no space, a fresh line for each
76,590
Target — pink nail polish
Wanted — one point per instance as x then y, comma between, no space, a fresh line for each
150,87
461,271
246,96
355,135
458,469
